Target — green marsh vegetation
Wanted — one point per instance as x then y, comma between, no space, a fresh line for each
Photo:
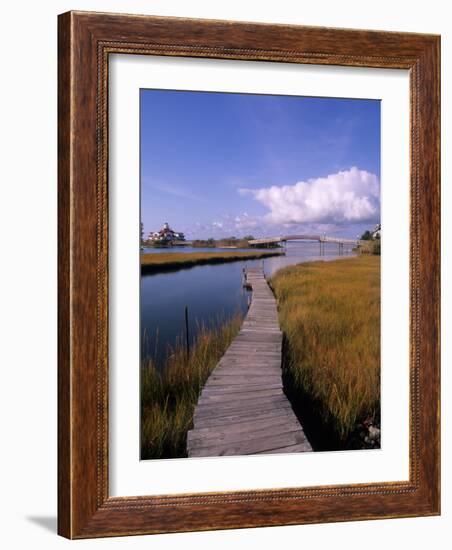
169,396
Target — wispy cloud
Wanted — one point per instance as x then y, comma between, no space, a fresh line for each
171,189
245,221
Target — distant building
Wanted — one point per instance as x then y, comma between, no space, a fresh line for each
376,233
166,235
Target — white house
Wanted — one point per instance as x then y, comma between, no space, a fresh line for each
166,235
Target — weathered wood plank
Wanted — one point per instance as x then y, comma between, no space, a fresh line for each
269,409
238,362
215,411
242,408
254,446
239,390
248,425
216,407
209,397
252,429
241,380
251,370
244,416
198,440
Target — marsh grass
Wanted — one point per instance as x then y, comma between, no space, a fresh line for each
370,247
151,263
169,397
330,314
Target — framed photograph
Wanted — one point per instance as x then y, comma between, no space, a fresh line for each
248,275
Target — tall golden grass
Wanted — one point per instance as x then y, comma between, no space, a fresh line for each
169,397
165,260
330,314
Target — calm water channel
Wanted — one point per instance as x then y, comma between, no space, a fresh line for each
212,293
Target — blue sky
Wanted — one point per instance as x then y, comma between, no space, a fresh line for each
221,164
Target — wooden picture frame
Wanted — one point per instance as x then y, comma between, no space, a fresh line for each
85,42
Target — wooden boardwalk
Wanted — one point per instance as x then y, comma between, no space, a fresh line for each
242,409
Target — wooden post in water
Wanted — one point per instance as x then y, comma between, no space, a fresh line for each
186,332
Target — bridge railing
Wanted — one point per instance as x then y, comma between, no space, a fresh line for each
319,238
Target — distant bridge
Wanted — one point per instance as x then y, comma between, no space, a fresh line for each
322,239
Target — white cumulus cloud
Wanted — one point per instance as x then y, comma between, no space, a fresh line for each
350,196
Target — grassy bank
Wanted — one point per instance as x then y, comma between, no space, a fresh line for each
168,399
152,263
330,314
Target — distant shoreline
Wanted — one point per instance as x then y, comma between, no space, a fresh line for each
156,263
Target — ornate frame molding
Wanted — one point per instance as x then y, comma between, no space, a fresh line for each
85,42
